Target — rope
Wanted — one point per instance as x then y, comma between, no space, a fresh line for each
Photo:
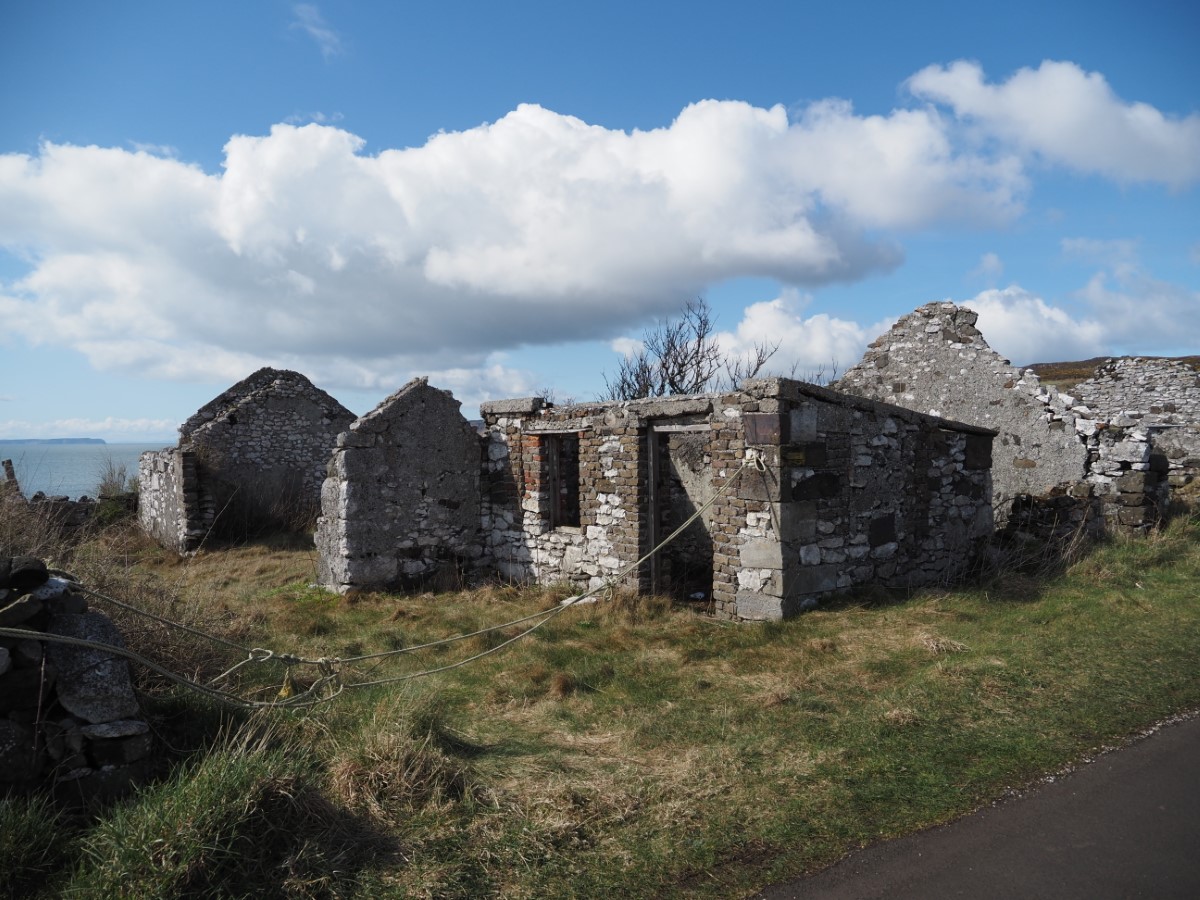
329,683
750,462
306,698
75,584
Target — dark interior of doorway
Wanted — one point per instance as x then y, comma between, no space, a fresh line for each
683,485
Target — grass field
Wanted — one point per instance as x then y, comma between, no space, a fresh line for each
623,748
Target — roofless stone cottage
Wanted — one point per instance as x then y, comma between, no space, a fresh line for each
253,456
803,492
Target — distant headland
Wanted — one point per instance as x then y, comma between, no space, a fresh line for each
53,441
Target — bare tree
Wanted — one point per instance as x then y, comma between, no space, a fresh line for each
681,356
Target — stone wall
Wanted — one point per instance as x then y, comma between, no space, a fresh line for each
934,360
1155,392
1049,446
401,501
173,508
846,492
1159,391
252,457
68,714
69,517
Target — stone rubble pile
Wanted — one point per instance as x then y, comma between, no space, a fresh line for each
68,714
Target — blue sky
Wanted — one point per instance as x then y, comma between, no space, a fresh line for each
503,196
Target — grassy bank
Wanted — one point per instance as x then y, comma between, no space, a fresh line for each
625,747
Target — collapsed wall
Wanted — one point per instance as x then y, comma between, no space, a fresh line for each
400,502
935,360
252,457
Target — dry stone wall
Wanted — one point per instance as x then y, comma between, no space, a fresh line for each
401,500
70,718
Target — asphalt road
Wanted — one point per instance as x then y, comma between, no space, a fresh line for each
1126,825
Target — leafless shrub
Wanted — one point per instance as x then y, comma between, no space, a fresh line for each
682,356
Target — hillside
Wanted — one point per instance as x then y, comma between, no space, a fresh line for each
1065,375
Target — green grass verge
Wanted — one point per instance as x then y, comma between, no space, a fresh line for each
625,748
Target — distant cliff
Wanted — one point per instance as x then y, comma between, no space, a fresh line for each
53,441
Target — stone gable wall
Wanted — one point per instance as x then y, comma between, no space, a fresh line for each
254,456
265,453
935,361
1049,444
401,501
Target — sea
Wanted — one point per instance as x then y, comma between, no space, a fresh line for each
73,470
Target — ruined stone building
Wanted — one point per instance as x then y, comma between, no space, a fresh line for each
1103,472
841,491
254,456
1161,393
401,501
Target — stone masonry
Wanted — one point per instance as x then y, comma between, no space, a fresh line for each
401,499
254,455
68,715
1163,394
935,360
850,492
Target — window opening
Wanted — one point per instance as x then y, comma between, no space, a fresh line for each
562,458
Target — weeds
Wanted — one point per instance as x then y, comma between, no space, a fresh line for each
35,840
628,747
245,818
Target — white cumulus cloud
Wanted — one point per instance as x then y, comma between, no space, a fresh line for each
1026,329
1071,117
305,252
816,345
